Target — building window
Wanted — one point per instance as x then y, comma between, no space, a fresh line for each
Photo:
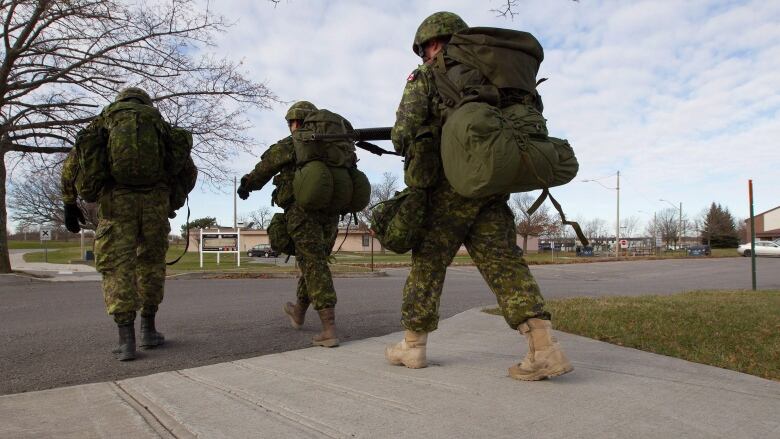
366,242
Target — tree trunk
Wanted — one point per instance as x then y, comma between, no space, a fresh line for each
5,261
525,243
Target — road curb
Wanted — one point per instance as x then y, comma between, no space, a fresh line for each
278,275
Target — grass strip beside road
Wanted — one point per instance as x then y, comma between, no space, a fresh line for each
190,262
737,330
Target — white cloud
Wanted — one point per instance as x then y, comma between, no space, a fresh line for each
682,97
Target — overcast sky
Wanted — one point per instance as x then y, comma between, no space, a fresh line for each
681,97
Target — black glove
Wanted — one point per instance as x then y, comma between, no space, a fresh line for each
242,192
73,217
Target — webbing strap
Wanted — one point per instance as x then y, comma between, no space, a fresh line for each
574,224
187,245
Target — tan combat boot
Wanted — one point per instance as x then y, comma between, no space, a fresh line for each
297,313
545,359
327,337
410,352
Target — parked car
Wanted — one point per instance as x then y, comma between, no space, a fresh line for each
763,248
262,251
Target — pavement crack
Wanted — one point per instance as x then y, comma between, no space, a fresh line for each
294,417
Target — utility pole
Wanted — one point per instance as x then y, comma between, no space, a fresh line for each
617,222
235,216
681,227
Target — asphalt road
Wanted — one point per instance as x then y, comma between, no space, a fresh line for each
57,334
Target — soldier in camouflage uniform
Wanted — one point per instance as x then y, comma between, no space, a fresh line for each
131,241
484,225
312,232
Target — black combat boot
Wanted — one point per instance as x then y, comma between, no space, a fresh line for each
126,349
150,338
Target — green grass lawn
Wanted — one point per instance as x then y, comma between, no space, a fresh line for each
191,261
737,330
50,244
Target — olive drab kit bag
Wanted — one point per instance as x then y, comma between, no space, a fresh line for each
399,223
327,177
494,137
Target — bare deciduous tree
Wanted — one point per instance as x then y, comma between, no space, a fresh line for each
257,219
63,60
38,200
629,226
539,223
382,191
595,229
508,8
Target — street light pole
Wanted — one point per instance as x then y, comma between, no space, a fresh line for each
617,219
679,231
681,227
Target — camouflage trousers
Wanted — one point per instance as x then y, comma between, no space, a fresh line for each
130,245
486,227
313,234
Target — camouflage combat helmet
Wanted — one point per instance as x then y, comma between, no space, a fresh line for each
440,24
134,92
300,110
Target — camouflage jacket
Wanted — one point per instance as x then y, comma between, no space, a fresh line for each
418,113
278,161
70,172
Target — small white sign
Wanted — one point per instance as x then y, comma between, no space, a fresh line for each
623,243
45,234
658,242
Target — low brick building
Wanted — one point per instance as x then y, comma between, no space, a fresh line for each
351,240
767,225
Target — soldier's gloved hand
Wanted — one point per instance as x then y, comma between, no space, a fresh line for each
242,192
73,216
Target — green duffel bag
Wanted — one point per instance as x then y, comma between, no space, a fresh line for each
278,236
313,186
486,151
399,223
342,190
361,191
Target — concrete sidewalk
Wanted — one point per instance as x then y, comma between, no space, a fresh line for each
53,272
350,391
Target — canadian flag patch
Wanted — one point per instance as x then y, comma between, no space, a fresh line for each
412,76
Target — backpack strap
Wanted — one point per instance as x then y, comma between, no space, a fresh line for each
449,92
574,224
187,244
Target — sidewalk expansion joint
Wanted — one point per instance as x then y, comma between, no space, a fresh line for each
385,403
159,420
291,416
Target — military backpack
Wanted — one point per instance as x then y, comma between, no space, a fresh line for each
129,144
327,177
494,139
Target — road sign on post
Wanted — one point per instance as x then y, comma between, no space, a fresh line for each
624,243
45,236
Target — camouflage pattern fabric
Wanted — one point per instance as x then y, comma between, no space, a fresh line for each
70,171
436,25
314,234
484,225
279,159
130,245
